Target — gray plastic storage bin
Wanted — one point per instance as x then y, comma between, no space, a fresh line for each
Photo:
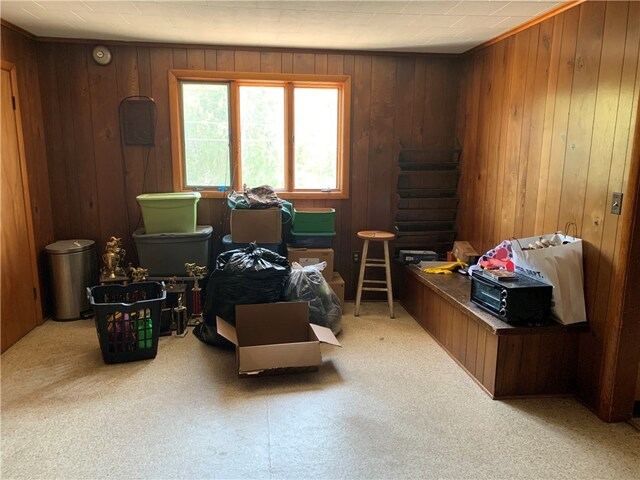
164,254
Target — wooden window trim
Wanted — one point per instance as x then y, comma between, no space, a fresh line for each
290,170
342,82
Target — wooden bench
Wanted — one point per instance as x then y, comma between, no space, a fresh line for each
505,360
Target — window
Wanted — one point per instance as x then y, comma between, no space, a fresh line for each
206,133
262,140
287,131
316,142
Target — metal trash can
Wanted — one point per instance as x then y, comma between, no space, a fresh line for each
73,265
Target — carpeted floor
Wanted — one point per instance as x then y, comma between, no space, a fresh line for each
389,404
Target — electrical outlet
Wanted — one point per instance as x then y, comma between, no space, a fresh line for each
356,257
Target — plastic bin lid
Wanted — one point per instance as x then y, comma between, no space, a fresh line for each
227,240
314,234
314,210
168,196
201,231
69,246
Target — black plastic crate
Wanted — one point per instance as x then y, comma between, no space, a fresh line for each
128,320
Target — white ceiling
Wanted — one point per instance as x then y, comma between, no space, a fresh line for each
401,26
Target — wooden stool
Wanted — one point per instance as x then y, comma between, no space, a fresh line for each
375,236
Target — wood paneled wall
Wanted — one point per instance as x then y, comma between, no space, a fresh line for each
406,101
21,51
548,117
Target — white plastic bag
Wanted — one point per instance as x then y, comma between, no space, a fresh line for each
307,284
559,265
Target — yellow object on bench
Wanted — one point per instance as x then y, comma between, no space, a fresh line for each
446,269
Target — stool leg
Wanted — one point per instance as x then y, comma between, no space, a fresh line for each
363,261
387,268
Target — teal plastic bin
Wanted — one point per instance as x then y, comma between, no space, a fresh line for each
312,240
169,212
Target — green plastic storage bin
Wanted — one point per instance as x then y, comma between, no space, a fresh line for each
314,220
169,212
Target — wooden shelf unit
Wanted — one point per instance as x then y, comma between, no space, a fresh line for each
427,201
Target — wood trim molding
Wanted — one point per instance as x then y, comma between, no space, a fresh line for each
11,68
259,77
621,357
17,29
289,141
176,132
250,48
344,141
551,13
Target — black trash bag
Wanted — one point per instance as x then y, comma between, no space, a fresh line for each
308,284
242,276
207,331
249,275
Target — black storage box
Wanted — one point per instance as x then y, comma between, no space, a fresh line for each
416,256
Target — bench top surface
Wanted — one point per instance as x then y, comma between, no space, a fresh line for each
456,289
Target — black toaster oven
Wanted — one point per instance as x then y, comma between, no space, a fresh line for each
517,299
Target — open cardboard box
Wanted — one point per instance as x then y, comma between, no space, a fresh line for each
275,338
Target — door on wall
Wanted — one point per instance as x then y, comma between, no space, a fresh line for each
19,291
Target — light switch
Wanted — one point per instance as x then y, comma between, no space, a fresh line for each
616,203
